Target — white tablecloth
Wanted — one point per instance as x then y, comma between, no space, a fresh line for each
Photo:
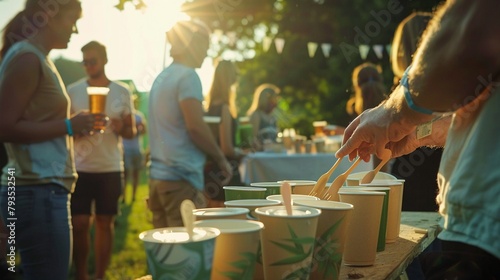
271,167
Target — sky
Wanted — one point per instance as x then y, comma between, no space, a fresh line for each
135,39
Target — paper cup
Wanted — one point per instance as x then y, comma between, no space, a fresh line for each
301,186
251,205
278,197
287,241
395,205
236,248
271,187
353,178
220,213
233,193
330,237
382,233
362,233
172,255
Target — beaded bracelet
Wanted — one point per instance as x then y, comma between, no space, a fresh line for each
69,128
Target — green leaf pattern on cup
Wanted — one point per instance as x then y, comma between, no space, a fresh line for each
296,247
327,247
245,267
185,269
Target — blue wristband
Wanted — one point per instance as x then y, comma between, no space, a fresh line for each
69,128
405,84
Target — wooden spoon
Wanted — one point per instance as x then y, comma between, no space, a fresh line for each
187,207
321,183
368,178
286,194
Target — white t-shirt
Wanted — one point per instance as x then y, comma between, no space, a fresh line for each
100,153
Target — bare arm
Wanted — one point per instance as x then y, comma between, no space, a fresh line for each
201,135
17,88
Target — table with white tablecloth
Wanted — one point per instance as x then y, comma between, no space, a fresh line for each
269,167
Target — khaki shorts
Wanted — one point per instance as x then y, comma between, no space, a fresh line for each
165,198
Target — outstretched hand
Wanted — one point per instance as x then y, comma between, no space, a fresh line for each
375,130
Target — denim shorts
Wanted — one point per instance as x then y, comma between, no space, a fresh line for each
39,227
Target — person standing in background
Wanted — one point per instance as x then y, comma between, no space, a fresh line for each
221,103
99,163
36,128
134,154
369,91
263,121
179,137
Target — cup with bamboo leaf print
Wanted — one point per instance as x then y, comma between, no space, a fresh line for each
287,241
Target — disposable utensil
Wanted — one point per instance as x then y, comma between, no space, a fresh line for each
332,192
286,193
321,183
187,207
368,178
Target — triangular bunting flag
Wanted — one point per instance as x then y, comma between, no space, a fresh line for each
388,48
326,48
379,51
280,44
363,51
266,43
311,48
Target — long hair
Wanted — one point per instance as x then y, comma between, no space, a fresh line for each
406,41
28,22
261,97
369,89
222,90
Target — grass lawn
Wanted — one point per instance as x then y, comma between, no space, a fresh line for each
129,259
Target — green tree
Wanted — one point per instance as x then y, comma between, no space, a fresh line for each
314,88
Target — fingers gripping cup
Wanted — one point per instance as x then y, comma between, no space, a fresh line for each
97,106
171,254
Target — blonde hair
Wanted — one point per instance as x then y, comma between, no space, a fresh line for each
261,97
369,89
222,90
406,40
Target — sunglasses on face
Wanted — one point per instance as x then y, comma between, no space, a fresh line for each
89,62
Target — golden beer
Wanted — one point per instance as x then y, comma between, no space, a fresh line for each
97,105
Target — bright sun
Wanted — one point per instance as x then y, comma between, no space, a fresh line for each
135,39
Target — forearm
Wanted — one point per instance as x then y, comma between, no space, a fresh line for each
27,132
458,56
438,132
203,139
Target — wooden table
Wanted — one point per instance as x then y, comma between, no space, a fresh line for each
418,230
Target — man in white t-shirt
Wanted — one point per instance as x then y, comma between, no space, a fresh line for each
99,163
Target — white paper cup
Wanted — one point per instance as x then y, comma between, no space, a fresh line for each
362,233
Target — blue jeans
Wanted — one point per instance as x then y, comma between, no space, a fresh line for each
41,230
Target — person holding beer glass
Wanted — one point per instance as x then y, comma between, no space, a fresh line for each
99,159
36,129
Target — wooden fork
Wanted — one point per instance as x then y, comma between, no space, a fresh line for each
321,183
332,192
